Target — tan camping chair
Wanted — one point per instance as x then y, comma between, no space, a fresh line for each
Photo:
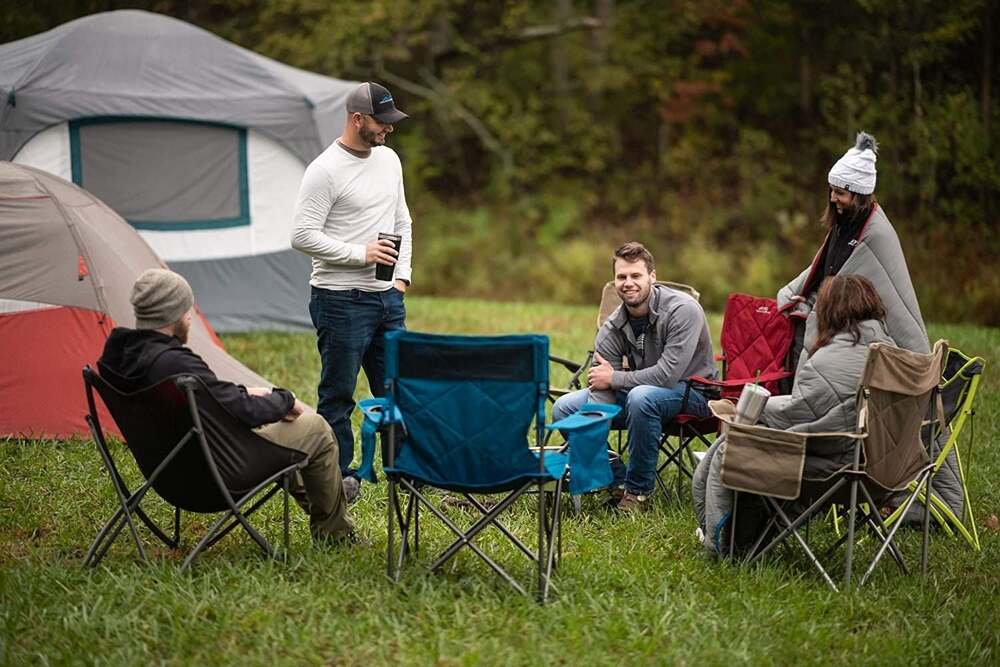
898,390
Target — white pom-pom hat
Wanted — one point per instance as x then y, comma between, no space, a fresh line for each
855,171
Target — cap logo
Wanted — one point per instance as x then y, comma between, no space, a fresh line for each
387,98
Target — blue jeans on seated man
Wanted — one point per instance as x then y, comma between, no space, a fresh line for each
350,334
645,408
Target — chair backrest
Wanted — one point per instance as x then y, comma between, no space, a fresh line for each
755,339
155,419
958,383
897,388
467,403
610,299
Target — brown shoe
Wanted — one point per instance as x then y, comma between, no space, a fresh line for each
615,494
633,503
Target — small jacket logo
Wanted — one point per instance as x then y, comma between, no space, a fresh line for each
763,310
852,242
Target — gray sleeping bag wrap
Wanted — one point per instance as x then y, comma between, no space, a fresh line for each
823,399
824,396
879,258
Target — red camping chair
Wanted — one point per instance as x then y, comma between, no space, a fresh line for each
755,340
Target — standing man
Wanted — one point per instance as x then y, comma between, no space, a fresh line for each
663,335
349,195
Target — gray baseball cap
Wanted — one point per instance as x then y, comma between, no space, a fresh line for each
374,100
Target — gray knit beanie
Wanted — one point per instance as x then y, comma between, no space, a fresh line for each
160,298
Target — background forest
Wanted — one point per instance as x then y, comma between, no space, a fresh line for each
545,132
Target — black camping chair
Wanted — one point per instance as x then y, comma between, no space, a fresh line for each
194,454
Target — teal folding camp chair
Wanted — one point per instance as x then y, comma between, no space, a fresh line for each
456,416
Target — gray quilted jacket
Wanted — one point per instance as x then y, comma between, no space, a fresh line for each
879,258
823,396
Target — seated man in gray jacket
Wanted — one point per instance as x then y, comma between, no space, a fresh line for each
662,336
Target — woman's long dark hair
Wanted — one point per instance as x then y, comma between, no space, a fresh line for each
843,303
860,205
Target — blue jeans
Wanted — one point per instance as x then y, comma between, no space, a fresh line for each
645,409
350,332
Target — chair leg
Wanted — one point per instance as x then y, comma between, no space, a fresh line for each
390,545
235,522
879,528
502,528
285,517
542,542
797,522
928,497
416,526
404,531
177,527
466,538
554,554
895,527
732,524
852,517
802,543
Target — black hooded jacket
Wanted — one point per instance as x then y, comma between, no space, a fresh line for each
139,358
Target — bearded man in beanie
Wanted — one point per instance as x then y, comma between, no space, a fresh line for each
155,350
860,241
351,197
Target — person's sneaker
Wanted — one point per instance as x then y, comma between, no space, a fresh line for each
352,538
352,489
631,502
615,495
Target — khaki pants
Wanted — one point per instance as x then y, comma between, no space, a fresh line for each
319,489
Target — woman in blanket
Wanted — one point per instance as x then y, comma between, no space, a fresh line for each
850,316
860,241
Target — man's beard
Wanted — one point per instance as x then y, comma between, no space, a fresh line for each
368,136
181,331
850,214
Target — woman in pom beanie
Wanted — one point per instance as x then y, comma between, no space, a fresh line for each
860,241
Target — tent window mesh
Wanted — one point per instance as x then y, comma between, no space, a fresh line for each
164,175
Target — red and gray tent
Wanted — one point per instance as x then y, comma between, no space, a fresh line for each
198,143
67,265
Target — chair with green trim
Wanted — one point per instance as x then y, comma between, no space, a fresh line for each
959,384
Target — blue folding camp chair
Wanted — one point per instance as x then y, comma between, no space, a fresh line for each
456,416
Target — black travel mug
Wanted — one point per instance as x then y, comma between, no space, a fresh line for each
386,271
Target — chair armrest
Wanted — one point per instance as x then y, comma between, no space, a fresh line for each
587,437
376,416
739,382
571,366
589,413
376,410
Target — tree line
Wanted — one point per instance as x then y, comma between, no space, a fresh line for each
544,132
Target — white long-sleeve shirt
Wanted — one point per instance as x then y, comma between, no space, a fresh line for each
344,202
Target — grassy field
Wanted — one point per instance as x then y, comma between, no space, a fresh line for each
632,590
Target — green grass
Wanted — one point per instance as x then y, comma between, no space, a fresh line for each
631,590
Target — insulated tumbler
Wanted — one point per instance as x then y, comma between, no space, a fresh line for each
386,271
751,404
